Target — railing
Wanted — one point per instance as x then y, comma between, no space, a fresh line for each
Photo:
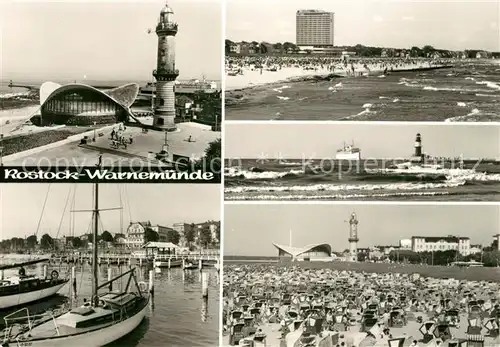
167,26
11,321
165,72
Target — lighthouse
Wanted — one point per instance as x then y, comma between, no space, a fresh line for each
353,238
417,154
165,73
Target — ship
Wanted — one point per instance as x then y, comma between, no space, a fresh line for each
348,152
185,87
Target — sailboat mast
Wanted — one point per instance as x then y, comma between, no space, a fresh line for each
95,284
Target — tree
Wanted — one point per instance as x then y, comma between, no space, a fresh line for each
106,236
263,48
46,242
211,161
428,50
76,242
228,44
173,236
31,241
150,235
205,237
190,234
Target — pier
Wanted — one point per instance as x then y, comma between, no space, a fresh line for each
141,259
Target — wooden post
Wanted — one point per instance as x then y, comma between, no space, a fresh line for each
204,284
151,282
109,279
73,277
200,264
183,263
169,263
45,271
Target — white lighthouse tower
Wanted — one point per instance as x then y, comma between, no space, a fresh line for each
353,238
165,73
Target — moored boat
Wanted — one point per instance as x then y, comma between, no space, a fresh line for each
23,289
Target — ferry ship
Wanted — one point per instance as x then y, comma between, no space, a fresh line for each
348,152
185,87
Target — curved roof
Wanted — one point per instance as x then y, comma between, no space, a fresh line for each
123,95
296,251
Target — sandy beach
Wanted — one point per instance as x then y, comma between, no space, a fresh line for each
251,75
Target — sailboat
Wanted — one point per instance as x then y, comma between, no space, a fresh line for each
23,288
106,318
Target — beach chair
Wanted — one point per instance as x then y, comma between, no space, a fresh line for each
442,331
236,334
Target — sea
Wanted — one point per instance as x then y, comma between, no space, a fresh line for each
255,179
178,315
467,92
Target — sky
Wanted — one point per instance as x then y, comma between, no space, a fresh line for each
21,207
250,229
105,40
445,24
317,141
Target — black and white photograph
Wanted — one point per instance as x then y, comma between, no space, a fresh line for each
138,82
368,161
386,60
361,275
109,265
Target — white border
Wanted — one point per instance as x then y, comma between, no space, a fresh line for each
222,196
374,123
361,202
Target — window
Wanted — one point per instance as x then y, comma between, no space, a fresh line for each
162,102
159,121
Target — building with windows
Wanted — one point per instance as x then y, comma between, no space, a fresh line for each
81,104
441,243
135,235
314,28
405,244
315,252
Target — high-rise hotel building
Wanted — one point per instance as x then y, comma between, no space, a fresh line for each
314,28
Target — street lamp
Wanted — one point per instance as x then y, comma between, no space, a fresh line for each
94,131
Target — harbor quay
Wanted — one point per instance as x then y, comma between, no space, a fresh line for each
205,258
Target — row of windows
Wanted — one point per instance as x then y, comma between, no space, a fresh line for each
78,106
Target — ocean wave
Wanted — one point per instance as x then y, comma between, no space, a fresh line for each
347,187
13,95
335,196
473,116
489,84
259,175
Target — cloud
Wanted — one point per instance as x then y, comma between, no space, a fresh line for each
408,19
493,25
378,19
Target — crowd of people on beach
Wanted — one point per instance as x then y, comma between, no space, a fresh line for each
289,306
347,66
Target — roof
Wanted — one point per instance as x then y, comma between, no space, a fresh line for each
296,251
123,95
160,245
439,238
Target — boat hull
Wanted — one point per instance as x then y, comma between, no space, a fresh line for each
93,338
24,298
173,263
348,156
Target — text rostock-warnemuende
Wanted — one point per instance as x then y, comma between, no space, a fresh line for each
16,174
